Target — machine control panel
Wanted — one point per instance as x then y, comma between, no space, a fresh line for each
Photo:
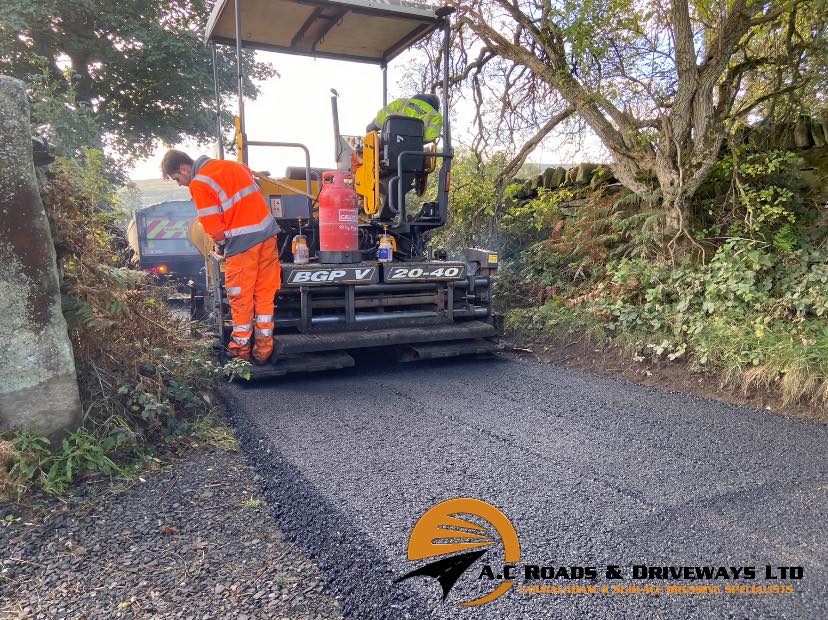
289,207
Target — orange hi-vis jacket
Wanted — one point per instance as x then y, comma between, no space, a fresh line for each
229,204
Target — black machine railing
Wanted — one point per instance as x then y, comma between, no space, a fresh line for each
395,182
296,145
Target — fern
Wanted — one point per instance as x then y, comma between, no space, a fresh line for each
122,277
634,200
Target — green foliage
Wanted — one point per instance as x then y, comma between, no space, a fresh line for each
473,205
742,279
139,69
70,126
593,27
237,369
57,115
81,454
748,302
477,218
604,228
639,224
557,318
252,502
749,313
760,201
528,221
215,432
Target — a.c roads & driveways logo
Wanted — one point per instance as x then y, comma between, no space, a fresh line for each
442,532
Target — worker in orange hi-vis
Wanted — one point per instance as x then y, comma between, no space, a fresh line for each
234,213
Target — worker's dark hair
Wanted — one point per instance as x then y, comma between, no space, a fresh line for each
172,161
431,100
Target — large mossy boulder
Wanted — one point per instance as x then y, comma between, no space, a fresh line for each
38,386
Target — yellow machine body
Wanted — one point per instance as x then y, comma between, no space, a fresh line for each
238,139
200,239
366,177
286,187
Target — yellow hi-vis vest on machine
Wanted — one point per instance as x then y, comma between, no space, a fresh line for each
415,108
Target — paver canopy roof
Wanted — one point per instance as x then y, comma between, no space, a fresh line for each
362,30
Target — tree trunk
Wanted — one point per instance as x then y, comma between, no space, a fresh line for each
38,385
677,211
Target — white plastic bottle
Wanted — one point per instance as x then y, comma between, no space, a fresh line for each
385,253
299,247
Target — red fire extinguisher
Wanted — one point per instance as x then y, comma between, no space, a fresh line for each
338,219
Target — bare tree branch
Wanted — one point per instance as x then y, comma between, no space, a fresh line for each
513,165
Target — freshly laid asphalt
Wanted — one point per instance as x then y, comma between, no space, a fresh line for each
591,471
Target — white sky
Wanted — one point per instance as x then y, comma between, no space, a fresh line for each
296,107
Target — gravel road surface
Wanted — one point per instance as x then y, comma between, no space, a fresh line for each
591,471
193,541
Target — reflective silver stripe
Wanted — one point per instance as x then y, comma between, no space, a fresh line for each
243,230
388,111
433,126
239,195
264,318
240,340
243,328
264,332
226,203
222,196
208,211
427,121
234,290
392,109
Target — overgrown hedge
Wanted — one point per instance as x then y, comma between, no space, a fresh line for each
757,319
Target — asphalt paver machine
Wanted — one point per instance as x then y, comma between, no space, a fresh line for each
345,299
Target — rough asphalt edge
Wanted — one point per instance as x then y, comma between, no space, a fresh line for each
353,569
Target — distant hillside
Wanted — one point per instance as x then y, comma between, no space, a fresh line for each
148,192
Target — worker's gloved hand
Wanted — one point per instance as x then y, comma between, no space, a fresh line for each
220,248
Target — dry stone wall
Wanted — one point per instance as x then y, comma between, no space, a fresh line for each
808,138
579,176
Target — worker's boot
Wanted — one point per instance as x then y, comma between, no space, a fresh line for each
234,351
239,345
262,348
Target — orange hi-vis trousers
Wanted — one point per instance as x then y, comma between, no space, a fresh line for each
251,280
